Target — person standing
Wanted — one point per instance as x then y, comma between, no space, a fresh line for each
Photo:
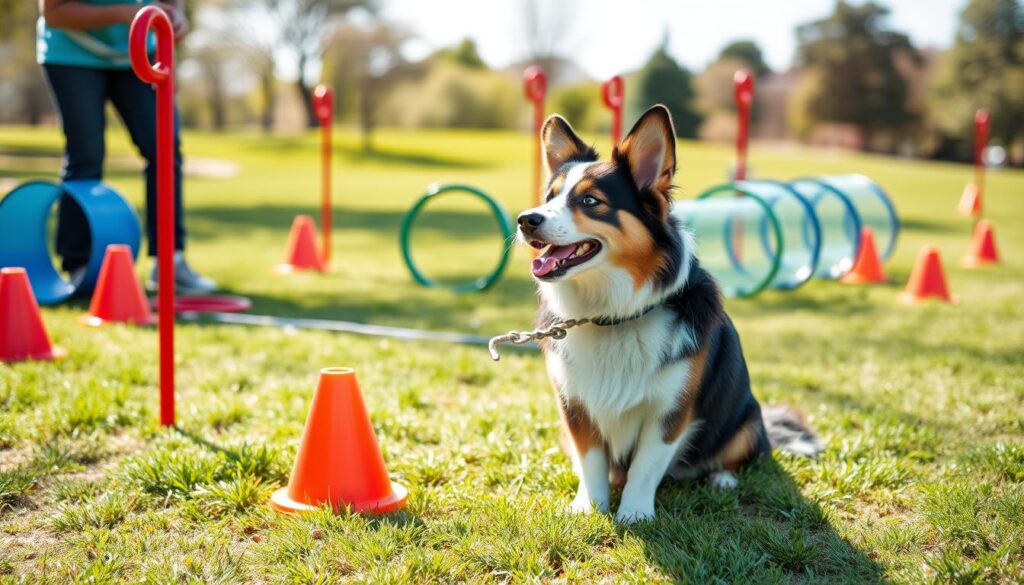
82,46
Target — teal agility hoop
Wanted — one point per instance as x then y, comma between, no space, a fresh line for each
504,224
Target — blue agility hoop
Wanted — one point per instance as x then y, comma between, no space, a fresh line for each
24,217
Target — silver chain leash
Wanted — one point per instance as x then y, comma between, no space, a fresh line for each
556,330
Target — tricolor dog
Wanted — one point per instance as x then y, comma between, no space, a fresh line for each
655,384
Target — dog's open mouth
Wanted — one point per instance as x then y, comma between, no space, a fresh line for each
556,259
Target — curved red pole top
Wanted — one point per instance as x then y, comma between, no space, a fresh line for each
743,87
612,92
152,17
323,102
981,117
535,83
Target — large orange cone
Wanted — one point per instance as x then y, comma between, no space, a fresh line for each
927,280
118,297
22,334
970,201
301,253
339,462
868,267
983,247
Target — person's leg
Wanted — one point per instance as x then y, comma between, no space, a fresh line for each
136,103
80,94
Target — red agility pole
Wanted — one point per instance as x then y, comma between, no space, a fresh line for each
323,106
161,75
613,93
743,87
981,125
535,85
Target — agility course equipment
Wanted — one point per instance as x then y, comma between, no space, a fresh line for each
983,247
867,269
22,333
927,280
118,297
500,215
25,213
301,252
613,96
971,202
743,93
339,462
535,86
161,75
752,235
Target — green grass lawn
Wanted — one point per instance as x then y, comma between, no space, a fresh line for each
922,407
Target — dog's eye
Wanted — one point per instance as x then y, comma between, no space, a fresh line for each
590,201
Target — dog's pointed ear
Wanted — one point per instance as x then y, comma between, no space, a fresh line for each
650,150
561,144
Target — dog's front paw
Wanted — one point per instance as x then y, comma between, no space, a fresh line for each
582,504
723,480
627,515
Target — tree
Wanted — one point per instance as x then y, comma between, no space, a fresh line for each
18,66
663,81
367,61
465,53
293,34
544,26
854,53
984,69
748,53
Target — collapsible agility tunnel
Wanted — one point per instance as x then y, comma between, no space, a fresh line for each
24,232
799,243
844,204
739,240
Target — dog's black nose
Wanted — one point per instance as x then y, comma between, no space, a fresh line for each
530,220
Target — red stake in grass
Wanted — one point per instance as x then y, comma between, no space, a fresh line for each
613,92
535,85
743,88
323,106
971,202
161,75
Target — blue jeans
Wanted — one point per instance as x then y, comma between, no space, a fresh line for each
81,94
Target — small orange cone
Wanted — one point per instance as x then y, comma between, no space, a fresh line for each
927,279
970,202
301,251
118,297
22,334
868,267
983,247
339,461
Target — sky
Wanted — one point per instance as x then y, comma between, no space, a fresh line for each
607,37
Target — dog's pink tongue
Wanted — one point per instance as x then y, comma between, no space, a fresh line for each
543,265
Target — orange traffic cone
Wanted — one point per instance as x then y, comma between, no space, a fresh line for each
983,248
118,297
22,334
927,279
868,267
339,461
301,251
970,201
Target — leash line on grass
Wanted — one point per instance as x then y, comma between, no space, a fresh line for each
339,326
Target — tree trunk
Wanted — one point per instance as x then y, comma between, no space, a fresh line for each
267,87
306,95
366,116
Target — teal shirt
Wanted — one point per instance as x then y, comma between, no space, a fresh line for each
100,48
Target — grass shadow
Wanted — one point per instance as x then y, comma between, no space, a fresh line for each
764,531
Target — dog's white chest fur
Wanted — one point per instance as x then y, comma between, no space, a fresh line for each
616,373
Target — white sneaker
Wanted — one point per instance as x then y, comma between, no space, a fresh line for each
186,280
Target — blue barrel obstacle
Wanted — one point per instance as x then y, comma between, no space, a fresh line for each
753,235
24,227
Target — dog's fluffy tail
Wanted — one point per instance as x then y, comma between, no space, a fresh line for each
789,432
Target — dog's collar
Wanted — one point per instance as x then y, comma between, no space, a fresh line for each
609,321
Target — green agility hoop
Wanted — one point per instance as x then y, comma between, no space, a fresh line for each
504,223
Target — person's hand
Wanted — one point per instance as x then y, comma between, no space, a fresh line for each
179,22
